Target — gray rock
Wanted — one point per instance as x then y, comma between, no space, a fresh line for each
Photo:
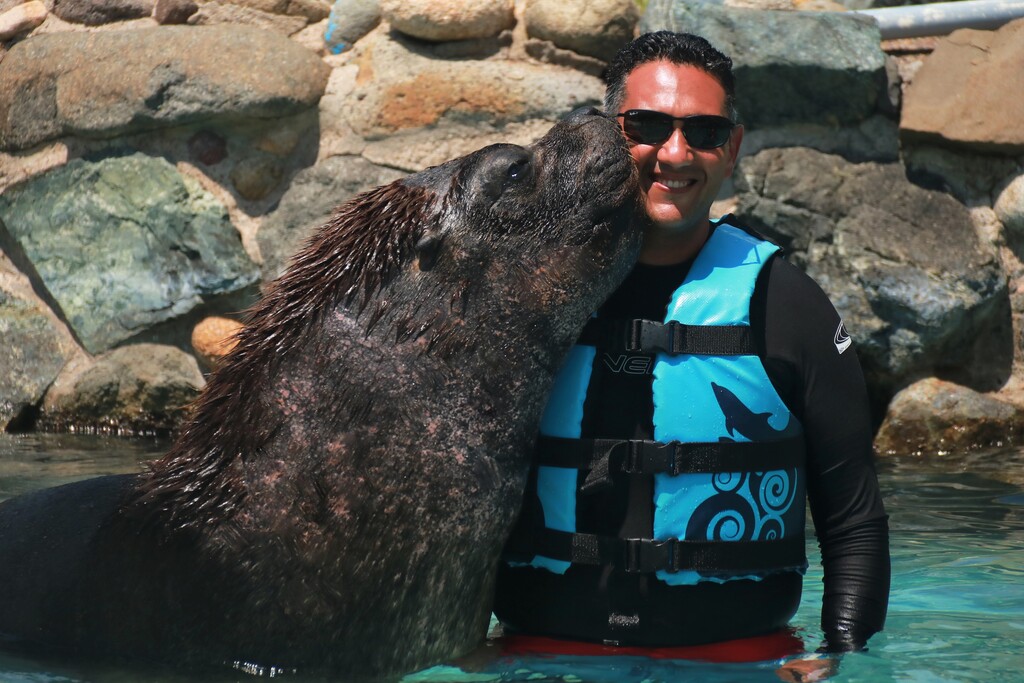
829,69
399,88
350,20
903,265
135,389
932,416
596,28
31,355
874,139
176,75
124,243
969,176
96,12
310,201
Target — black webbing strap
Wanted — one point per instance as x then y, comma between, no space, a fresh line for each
648,336
604,457
648,555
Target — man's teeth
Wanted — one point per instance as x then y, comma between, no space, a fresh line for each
676,184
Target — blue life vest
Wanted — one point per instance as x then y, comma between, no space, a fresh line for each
727,455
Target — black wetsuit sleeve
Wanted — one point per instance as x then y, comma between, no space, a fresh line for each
819,377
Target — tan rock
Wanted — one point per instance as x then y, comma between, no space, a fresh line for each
213,338
597,28
314,10
418,149
934,417
398,89
213,13
21,18
256,176
1009,206
312,37
142,388
441,20
174,11
176,74
967,93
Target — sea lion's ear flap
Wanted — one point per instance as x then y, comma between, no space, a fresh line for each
427,248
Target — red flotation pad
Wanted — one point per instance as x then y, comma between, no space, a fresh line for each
776,645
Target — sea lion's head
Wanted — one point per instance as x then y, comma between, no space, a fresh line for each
529,237
559,210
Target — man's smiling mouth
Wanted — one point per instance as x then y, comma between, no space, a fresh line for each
676,184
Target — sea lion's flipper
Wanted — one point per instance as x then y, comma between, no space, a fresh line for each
45,540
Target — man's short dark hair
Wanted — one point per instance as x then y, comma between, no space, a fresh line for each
678,48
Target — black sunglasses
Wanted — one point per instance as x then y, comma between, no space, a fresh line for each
654,127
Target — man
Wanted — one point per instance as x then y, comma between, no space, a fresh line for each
667,508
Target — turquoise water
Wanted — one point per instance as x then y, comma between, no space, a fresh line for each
956,613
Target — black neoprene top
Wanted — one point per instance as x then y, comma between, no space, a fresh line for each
796,331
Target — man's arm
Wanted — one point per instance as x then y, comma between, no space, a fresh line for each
819,377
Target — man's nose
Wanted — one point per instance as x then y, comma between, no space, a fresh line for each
676,150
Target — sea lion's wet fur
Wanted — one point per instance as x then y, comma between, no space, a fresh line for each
341,494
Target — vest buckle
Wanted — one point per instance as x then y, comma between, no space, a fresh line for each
634,457
634,337
645,555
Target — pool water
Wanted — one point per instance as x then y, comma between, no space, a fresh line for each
956,611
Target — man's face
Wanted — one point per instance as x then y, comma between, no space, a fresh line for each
679,183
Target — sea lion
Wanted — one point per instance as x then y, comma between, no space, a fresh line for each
341,493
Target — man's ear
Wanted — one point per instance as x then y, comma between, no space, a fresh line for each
427,248
735,140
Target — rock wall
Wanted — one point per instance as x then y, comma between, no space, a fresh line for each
159,161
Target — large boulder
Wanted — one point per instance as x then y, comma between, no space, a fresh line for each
934,416
401,87
829,69
135,389
967,93
593,28
439,20
309,202
175,75
33,351
124,243
904,266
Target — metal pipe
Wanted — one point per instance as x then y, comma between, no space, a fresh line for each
940,18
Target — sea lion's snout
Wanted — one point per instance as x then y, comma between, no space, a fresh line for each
607,174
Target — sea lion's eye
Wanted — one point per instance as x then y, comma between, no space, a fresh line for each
517,171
